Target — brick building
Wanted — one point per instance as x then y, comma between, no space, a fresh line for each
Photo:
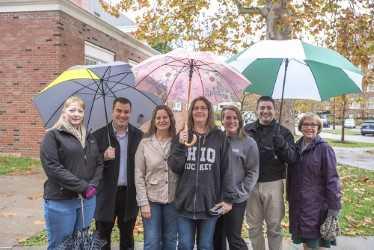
40,39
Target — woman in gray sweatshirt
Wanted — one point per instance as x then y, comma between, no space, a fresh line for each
245,167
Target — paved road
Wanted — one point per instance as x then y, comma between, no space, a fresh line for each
356,157
354,138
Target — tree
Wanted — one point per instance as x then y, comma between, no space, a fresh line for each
225,26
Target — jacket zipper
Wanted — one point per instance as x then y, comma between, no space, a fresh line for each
197,176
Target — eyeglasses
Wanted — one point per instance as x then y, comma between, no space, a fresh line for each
202,108
311,125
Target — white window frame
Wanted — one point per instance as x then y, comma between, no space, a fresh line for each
370,103
177,107
370,87
94,54
355,105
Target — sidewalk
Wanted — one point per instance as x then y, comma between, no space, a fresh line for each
344,243
21,215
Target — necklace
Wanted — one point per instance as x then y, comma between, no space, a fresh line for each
163,143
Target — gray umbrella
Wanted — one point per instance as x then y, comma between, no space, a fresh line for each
98,86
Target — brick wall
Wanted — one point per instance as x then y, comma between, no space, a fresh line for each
35,47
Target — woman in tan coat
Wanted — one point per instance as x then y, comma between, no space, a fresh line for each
155,183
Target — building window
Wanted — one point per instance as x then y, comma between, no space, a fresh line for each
355,105
94,54
370,87
132,62
371,103
177,107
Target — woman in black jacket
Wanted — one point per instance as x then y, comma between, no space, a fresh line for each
205,184
73,165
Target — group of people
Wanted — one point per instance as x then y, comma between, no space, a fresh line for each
189,194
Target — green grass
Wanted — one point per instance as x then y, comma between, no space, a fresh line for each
338,131
349,144
356,217
11,164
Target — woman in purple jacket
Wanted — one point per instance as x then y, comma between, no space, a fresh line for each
313,188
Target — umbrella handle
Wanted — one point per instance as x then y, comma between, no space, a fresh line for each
194,137
194,140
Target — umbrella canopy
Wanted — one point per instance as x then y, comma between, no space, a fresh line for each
182,75
98,86
292,69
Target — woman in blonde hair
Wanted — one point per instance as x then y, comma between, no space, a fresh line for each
73,165
245,166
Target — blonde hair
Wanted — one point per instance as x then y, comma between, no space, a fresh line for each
313,117
67,103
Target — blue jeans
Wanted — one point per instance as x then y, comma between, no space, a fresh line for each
64,217
188,228
160,231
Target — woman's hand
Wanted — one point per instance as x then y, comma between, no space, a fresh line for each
183,136
146,211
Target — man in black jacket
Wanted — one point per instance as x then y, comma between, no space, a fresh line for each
277,149
116,196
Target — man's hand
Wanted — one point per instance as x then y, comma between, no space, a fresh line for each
225,206
146,211
279,142
109,154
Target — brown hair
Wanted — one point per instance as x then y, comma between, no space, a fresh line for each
210,122
152,127
240,131
311,116
122,100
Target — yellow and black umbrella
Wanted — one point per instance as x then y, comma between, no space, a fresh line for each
98,86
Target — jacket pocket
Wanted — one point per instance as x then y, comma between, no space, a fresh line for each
152,182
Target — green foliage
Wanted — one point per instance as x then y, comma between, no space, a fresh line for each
10,164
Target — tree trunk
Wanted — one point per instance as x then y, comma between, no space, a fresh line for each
343,118
278,30
334,115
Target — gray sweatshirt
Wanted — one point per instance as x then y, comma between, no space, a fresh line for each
245,166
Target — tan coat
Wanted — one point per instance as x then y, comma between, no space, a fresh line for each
154,181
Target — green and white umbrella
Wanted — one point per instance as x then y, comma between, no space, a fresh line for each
292,69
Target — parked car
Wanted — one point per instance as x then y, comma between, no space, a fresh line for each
367,127
349,123
248,117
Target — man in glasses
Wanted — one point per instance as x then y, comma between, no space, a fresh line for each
277,149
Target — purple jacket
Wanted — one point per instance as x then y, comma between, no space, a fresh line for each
313,188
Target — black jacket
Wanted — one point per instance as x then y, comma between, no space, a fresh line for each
107,190
272,162
205,175
70,168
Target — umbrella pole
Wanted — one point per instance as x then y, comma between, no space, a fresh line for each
284,84
188,104
106,112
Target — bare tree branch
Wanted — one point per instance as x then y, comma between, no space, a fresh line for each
250,10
